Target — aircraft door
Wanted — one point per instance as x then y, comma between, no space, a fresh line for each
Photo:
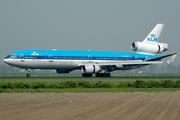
22,61
90,58
22,58
50,58
51,62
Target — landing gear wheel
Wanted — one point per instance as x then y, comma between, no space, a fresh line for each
98,75
103,75
28,75
86,75
108,75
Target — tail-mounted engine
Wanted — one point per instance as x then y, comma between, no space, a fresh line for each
152,48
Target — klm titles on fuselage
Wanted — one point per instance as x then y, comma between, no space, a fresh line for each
152,38
34,53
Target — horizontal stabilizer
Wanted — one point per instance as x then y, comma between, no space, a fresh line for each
172,58
161,57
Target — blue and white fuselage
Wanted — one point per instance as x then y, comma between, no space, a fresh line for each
63,59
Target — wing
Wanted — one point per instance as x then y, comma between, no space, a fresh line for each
111,66
126,65
120,63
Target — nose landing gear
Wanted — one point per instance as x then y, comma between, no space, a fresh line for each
28,74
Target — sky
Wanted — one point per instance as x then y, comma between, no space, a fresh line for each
105,25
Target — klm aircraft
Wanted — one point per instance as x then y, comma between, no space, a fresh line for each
100,63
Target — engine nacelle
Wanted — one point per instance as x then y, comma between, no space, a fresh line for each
62,71
90,69
149,48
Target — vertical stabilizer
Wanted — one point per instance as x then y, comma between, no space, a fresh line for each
154,34
150,44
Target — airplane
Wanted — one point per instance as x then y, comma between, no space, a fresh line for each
100,63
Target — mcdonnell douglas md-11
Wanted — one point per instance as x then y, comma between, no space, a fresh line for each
100,63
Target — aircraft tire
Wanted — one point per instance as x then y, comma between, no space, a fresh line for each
83,75
108,75
86,75
104,75
90,75
28,75
98,75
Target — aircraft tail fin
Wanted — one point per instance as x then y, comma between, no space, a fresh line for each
154,34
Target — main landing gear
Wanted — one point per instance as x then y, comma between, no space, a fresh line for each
103,75
86,75
97,75
28,74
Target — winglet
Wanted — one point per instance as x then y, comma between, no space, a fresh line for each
171,59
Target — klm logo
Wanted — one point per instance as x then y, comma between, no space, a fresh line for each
34,53
152,38
171,60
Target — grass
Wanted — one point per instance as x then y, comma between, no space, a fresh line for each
92,80
89,90
84,90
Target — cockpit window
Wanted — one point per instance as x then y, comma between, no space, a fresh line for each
13,56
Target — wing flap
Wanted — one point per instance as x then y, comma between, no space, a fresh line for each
130,63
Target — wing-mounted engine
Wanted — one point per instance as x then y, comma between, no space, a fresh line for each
152,48
150,44
90,69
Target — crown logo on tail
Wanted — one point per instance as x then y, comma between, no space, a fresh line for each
153,35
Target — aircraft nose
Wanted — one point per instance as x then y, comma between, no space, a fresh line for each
8,61
5,60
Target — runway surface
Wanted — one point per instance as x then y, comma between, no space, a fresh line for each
90,106
86,77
